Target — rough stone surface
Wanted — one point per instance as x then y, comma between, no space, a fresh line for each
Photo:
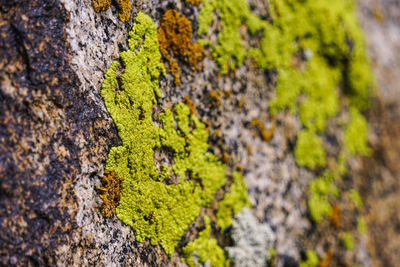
379,179
55,134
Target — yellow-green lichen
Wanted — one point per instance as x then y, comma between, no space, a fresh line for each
157,212
233,202
204,249
321,189
229,51
356,198
309,151
361,225
355,136
347,241
324,35
312,259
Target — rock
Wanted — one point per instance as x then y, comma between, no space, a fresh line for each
55,134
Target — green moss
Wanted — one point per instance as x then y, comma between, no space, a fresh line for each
157,212
204,249
309,151
312,259
233,202
321,189
355,136
361,225
356,198
347,241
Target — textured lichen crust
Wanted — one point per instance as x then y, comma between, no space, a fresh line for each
124,8
319,53
156,211
233,202
174,35
315,65
205,249
101,5
110,193
253,241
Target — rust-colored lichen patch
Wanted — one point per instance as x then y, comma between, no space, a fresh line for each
101,5
124,10
242,102
174,35
266,134
335,216
190,104
326,260
215,100
110,192
194,2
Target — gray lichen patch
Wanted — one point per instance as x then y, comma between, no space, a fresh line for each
252,240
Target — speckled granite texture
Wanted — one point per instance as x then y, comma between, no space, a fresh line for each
55,134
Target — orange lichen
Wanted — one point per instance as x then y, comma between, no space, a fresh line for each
239,168
190,104
227,93
174,36
335,216
242,102
218,133
327,258
194,2
215,98
124,10
266,134
225,158
248,148
110,192
101,5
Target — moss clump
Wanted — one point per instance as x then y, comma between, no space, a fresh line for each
174,35
110,193
309,151
347,241
312,259
205,249
157,212
233,202
320,190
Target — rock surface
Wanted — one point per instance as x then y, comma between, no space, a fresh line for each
55,134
